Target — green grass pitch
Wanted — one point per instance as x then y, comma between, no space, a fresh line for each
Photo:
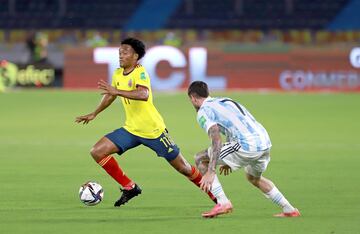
45,158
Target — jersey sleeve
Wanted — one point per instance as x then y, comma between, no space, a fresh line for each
113,80
142,77
206,118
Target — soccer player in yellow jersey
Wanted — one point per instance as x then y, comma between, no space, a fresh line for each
143,125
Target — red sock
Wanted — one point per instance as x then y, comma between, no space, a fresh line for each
196,177
111,166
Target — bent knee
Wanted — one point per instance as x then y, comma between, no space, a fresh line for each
197,159
253,180
97,153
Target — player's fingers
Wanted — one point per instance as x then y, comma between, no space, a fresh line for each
102,83
78,120
203,186
209,187
102,87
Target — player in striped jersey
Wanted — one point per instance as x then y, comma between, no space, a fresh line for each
247,145
143,124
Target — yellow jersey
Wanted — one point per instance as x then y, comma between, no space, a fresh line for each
142,118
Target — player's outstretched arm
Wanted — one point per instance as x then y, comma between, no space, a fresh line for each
140,93
208,178
104,103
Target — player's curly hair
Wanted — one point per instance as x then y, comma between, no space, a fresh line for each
136,44
198,89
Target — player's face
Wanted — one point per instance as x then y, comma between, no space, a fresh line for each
127,56
194,102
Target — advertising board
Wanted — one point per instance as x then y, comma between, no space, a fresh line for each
297,69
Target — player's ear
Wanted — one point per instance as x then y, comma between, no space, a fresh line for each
136,56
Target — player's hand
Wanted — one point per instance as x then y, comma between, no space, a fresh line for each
207,180
108,89
85,119
225,169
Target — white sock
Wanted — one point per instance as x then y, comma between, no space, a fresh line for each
218,192
278,198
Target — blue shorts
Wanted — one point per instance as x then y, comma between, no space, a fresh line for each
163,145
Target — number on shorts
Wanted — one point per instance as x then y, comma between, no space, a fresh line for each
166,140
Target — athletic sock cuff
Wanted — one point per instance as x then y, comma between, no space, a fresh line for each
104,160
194,173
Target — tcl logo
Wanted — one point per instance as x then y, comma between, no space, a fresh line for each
196,62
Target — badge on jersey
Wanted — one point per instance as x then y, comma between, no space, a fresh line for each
202,121
142,76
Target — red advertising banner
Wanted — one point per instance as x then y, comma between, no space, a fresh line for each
80,70
297,69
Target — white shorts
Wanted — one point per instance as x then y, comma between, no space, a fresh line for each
254,163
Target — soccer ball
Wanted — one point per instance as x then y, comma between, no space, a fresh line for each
91,193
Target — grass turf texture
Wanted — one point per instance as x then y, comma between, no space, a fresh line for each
45,158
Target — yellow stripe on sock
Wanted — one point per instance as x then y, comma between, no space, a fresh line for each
104,161
196,174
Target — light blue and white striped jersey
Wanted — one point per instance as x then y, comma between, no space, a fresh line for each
235,122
